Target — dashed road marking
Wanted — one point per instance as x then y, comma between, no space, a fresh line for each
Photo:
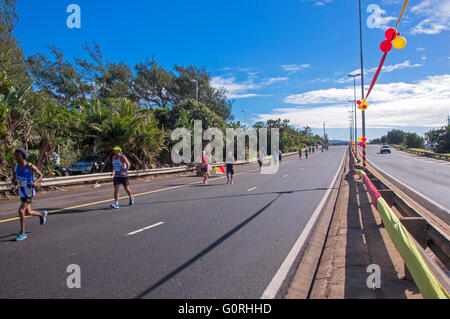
144,229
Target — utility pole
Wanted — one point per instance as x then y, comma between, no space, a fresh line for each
362,87
354,100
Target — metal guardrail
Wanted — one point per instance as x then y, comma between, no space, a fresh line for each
80,179
423,153
424,233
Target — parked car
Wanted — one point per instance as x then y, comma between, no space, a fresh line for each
87,165
63,170
385,149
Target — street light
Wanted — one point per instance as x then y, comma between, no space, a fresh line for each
196,90
354,93
363,124
351,124
245,117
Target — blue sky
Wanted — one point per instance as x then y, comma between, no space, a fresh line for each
287,59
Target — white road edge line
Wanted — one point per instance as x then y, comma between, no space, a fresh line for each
275,285
249,190
143,229
285,176
411,189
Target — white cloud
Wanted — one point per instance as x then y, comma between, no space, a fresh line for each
294,68
385,69
320,3
384,21
234,90
436,14
424,103
275,80
390,68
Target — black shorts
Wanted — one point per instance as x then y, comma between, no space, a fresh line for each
260,163
26,200
118,180
230,169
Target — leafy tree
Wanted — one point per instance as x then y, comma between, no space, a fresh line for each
439,140
59,78
116,82
412,140
154,85
122,122
184,88
15,121
395,137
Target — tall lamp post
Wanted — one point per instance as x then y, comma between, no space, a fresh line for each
362,87
354,96
245,117
351,125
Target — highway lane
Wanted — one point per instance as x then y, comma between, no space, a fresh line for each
430,177
207,241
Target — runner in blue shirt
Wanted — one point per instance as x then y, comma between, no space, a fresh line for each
23,178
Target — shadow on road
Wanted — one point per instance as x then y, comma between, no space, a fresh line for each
205,251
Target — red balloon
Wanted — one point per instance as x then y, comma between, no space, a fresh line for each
358,102
361,144
390,34
386,46
364,139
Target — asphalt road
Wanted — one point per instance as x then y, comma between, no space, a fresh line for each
181,239
428,176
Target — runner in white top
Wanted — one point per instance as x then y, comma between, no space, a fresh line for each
121,166
230,167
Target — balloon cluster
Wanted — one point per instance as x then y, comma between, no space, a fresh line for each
362,141
392,40
362,105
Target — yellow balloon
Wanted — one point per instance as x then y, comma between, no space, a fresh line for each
399,42
359,139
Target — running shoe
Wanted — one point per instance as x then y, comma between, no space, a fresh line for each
21,237
131,201
115,205
44,217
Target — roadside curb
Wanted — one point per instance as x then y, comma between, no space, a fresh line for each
301,285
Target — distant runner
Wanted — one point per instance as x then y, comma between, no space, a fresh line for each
300,154
306,153
121,165
23,178
230,167
260,159
204,167
280,156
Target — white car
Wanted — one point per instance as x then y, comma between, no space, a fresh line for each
385,149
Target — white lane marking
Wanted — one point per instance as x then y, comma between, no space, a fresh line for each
285,176
144,229
274,286
411,189
249,190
